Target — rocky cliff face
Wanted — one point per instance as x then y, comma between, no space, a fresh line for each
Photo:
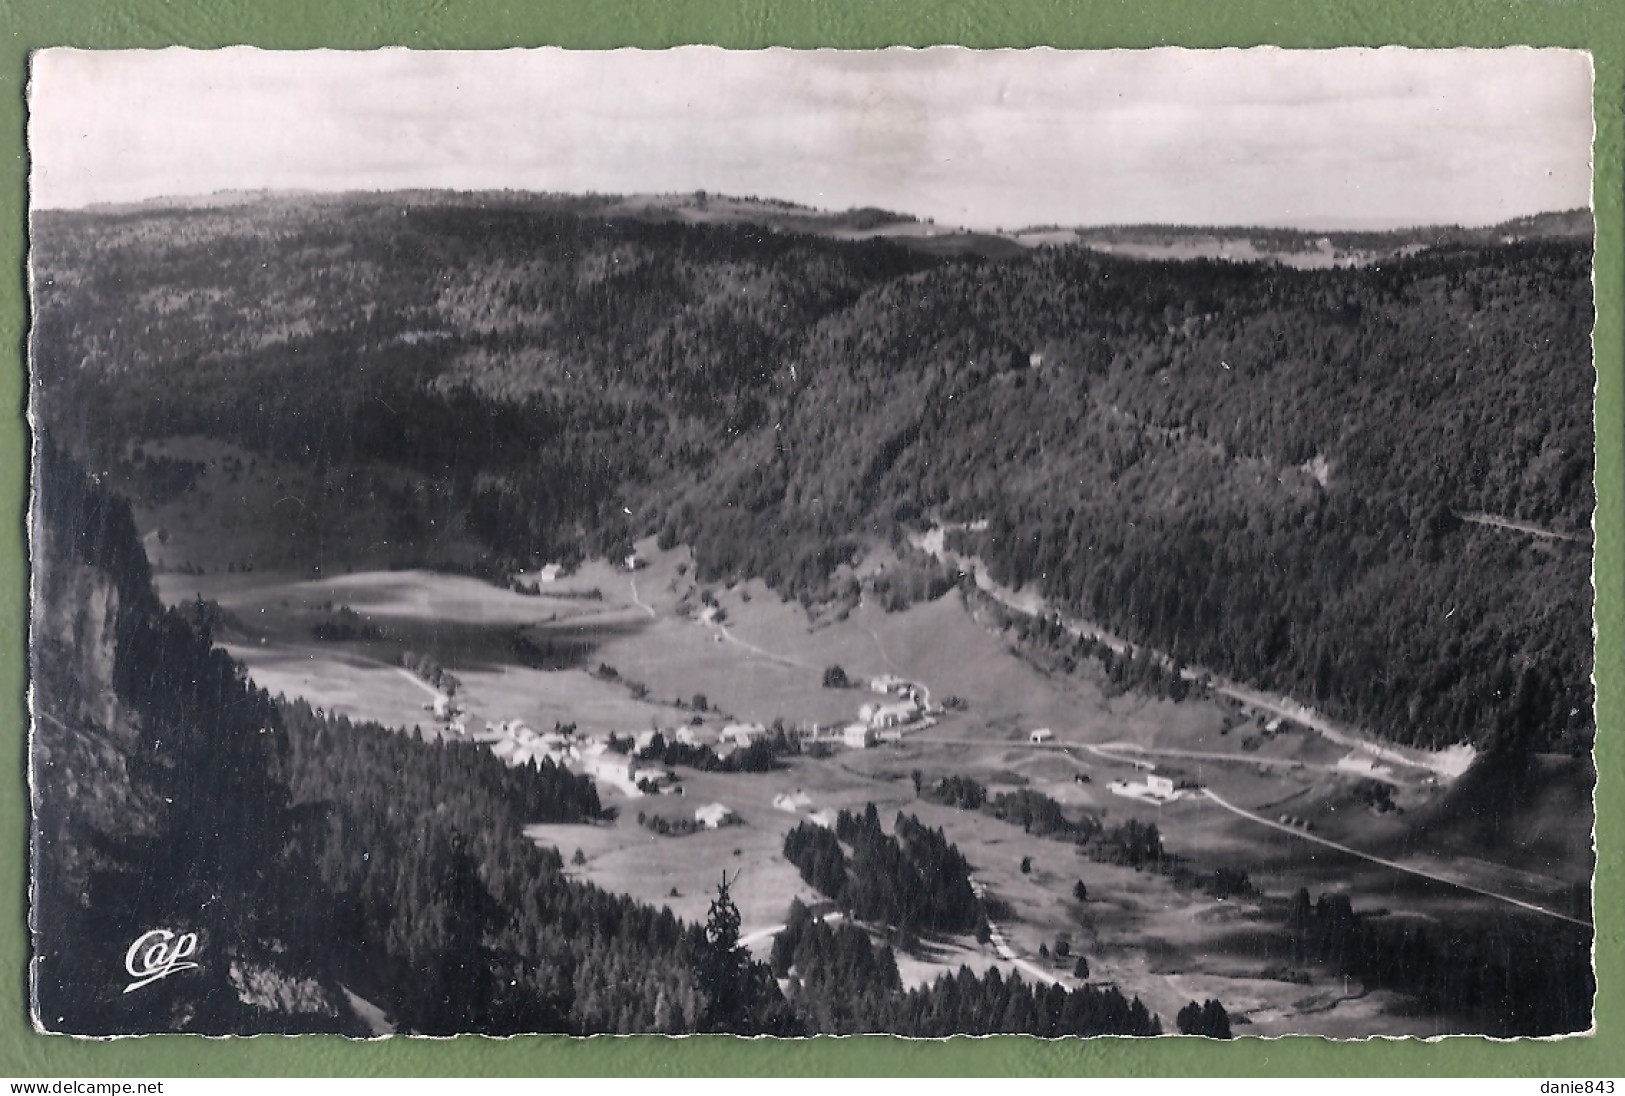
82,737
158,810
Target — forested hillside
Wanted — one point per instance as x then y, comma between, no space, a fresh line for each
1257,469
160,800
313,858
344,877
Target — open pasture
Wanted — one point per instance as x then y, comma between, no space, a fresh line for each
358,688
762,658
626,857
1163,943
465,625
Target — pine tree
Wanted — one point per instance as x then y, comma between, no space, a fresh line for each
724,966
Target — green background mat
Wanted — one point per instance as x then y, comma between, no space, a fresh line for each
1595,25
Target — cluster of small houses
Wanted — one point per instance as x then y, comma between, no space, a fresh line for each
516,743
1153,789
797,801
908,707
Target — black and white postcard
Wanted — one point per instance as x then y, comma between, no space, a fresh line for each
930,542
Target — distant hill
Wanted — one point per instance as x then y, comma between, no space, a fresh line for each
1310,249
1297,247
1253,467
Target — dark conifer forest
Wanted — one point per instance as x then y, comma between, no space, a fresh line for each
1298,479
1255,469
343,875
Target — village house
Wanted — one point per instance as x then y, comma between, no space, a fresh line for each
654,777
714,815
858,736
893,735
1041,736
533,754
610,766
743,734
1155,789
892,715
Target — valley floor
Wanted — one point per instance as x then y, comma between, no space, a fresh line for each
638,650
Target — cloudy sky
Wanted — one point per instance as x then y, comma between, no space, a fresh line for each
1346,138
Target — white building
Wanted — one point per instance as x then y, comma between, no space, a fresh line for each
713,815
858,736
743,734
1156,789
892,715
610,766
1041,736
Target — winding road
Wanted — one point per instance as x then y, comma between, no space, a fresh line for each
760,652
1449,763
1262,821
1114,750
1109,752
638,601
1517,526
